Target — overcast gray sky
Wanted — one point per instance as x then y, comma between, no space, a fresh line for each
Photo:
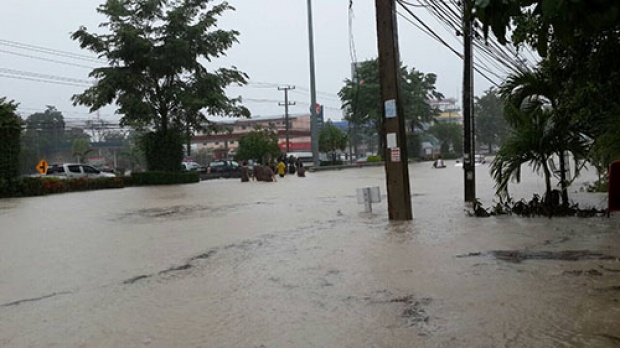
273,50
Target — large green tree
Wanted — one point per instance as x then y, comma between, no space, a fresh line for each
10,132
258,145
450,136
332,140
155,74
582,37
361,97
45,136
491,127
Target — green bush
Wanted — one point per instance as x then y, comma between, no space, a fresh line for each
164,178
599,186
374,158
163,151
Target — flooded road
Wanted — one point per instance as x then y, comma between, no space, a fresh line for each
298,263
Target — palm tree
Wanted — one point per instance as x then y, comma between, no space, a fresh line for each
529,142
533,108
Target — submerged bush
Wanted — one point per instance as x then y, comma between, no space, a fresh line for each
164,178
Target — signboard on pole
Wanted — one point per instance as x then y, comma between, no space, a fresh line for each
42,166
395,154
319,116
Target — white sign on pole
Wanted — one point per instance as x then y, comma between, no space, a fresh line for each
390,108
391,140
367,196
395,154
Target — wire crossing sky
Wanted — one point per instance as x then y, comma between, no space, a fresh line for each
40,65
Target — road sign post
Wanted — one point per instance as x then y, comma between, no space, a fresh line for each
42,166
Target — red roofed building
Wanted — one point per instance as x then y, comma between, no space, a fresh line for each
224,144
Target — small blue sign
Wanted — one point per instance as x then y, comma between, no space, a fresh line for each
390,108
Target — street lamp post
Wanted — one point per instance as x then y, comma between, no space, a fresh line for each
314,139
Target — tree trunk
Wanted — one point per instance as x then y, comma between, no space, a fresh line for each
547,173
563,184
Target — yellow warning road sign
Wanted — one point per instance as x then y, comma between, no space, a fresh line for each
42,166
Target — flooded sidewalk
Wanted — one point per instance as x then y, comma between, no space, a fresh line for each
297,263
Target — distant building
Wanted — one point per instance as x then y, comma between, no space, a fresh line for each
224,144
449,110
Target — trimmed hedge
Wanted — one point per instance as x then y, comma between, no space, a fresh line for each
374,158
163,151
164,178
40,186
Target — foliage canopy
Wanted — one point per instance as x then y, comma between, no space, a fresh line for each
491,127
361,97
154,73
257,145
332,140
10,132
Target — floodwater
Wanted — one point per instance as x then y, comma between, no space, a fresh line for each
298,263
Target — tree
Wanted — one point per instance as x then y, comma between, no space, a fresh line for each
528,142
81,148
154,73
361,97
332,140
450,136
257,145
10,132
45,137
582,37
491,127
541,22
542,89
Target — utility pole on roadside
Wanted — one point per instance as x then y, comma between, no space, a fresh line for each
469,140
286,105
393,120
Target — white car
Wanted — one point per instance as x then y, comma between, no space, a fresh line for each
191,166
76,170
478,161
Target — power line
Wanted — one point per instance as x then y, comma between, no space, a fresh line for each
41,80
45,76
47,50
451,16
46,59
436,37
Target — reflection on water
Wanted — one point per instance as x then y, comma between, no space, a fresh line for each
298,263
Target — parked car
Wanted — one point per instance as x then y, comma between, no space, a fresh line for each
224,169
192,166
76,170
361,160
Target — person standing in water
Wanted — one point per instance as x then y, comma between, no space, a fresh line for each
281,168
439,163
301,171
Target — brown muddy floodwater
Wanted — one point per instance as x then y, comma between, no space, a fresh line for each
298,263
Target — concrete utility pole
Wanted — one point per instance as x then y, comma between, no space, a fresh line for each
314,127
286,105
469,141
394,136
